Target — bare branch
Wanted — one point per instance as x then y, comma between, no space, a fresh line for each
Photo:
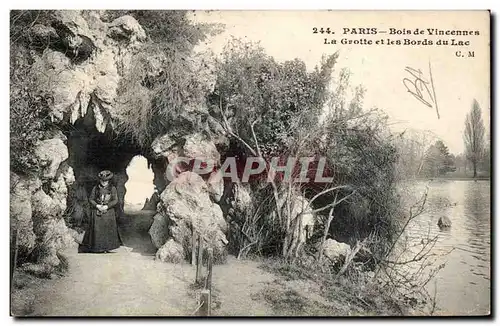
328,190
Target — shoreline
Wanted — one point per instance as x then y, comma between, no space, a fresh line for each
453,179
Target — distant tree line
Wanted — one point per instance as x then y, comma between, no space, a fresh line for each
423,155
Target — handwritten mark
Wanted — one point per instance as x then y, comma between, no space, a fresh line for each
419,87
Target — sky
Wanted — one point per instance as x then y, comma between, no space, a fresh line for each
140,181
286,35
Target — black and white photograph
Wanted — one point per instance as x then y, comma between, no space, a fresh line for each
250,163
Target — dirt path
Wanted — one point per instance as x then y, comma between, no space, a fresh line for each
130,282
237,285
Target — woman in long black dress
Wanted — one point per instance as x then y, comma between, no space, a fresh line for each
102,234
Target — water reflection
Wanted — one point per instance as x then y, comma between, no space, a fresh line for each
477,212
463,286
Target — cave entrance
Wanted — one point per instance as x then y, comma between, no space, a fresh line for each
139,187
91,151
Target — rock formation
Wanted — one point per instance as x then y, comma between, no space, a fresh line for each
187,208
335,251
79,67
171,252
151,203
444,222
80,60
37,207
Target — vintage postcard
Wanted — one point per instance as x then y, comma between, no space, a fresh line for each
250,163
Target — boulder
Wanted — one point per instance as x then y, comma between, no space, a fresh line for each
199,146
335,251
186,202
44,206
64,85
171,252
43,35
68,176
20,214
205,66
300,212
95,19
104,87
70,22
126,29
444,222
39,270
215,187
151,203
215,127
64,236
75,38
159,230
242,199
50,153
120,179
55,133
76,235
163,146
59,193
54,236
237,205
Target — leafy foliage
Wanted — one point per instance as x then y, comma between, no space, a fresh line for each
170,28
438,160
166,78
287,101
21,21
412,146
362,155
474,136
283,97
29,118
28,108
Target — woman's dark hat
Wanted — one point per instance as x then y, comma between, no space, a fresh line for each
105,175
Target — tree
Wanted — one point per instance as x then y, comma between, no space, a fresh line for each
461,163
485,164
412,146
447,159
438,160
285,97
474,136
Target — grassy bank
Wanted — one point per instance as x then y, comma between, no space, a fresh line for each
28,279
24,289
312,290
457,178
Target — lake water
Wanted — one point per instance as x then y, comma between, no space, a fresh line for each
463,285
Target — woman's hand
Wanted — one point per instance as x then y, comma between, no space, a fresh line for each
102,208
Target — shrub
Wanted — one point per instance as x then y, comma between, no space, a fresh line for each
29,118
287,101
165,79
284,97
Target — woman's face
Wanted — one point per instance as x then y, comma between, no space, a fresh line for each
104,183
